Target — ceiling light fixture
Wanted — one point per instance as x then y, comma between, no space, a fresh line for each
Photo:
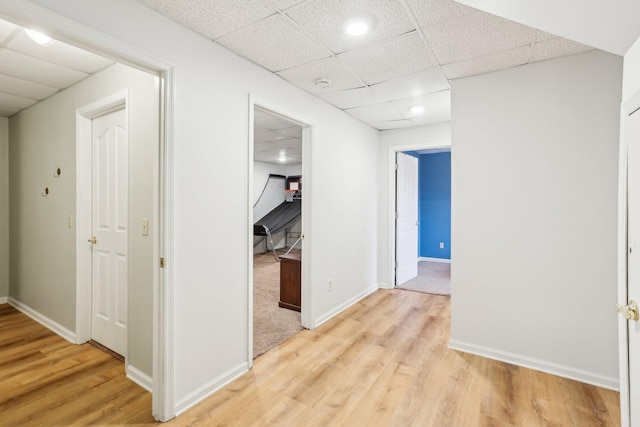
322,83
38,37
418,109
282,157
356,27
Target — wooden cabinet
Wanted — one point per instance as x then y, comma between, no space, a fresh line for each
290,279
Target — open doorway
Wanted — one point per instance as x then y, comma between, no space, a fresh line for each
277,229
423,220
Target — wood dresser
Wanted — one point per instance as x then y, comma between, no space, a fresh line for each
290,279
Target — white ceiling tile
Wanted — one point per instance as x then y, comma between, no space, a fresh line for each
59,53
213,18
12,101
488,63
390,59
437,107
285,4
353,98
554,48
432,12
432,80
305,75
325,19
14,86
268,121
476,34
542,36
6,28
391,124
291,132
7,112
267,135
36,70
275,44
375,112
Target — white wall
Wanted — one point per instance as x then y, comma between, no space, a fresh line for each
210,277
43,247
631,81
534,215
413,138
4,207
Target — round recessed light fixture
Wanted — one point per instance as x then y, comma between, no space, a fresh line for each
38,37
418,109
356,27
322,83
283,157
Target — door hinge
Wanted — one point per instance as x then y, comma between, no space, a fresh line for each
397,166
163,262
397,264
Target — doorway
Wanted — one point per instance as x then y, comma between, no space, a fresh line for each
279,192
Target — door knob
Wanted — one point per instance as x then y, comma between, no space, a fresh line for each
630,312
93,240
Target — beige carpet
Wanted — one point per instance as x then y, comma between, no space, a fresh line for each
271,324
433,278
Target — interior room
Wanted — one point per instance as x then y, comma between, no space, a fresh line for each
536,102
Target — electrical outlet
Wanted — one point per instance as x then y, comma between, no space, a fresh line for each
441,245
330,285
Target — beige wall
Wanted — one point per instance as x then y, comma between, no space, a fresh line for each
43,253
4,207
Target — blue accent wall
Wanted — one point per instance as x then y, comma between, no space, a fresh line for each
435,205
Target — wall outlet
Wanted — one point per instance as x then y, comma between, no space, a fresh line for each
441,245
330,285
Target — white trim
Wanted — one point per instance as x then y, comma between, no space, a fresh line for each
611,383
4,300
391,201
72,32
308,137
139,377
54,326
429,259
211,387
345,305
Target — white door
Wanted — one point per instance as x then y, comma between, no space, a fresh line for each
110,228
407,218
632,126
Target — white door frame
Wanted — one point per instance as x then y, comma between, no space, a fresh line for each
628,107
69,31
391,200
308,136
84,197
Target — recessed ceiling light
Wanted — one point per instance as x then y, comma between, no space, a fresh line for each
38,37
357,26
282,157
322,83
417,109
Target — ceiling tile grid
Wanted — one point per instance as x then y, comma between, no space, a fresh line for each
304,76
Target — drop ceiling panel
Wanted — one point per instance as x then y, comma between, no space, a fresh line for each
6,28
36,70
376,112
554,48
391,124
275,44
432,12
476,34
268,121
285,4
267,135
390,59
432,80
291,132
15,102
305,75
488,63
59,53
325,19
18,87
213,18
353,98
435,104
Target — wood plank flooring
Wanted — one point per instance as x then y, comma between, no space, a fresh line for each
383,362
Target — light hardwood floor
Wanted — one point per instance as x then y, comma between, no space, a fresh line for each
383,362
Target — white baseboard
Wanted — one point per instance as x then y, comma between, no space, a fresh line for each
384,286
211,387
44,320
446,261
4,300
612,383
339,309
139,377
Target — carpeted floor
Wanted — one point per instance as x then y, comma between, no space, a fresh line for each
271,324
433,278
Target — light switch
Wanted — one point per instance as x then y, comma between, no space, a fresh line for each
145,226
